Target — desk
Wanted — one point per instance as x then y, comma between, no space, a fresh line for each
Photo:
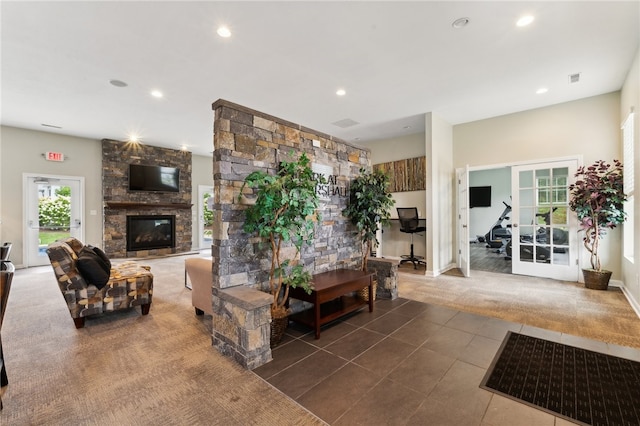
329,296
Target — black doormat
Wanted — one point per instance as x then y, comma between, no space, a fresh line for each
580,385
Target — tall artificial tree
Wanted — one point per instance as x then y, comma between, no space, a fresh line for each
598,199
284,211
369,207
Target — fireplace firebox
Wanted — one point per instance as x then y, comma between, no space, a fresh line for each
151,232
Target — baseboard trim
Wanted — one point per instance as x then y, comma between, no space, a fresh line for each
616,283
633,302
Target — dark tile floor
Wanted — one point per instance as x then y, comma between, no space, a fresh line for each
407,363
382,367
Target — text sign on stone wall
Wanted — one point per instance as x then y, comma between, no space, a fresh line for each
326,190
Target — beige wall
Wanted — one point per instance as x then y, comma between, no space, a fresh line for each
399,148
22,153
441,206
588,127
630,98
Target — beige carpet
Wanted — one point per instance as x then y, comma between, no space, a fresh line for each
561,306
126,369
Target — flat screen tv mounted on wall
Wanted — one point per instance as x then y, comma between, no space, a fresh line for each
479,196
153,178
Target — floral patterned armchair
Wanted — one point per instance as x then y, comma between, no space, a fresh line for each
95,290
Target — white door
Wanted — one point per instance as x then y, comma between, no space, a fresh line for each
463,221
544,238
53,210
205,216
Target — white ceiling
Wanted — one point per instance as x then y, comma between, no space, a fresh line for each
396,60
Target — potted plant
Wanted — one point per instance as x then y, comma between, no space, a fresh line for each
283,206
598,199
369,204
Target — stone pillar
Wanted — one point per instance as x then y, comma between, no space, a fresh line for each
387,275
241,325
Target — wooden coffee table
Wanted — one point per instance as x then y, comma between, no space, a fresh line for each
330,297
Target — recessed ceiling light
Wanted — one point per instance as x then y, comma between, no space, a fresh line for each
156,94
118,83
460,23
541,90
347,122
524,21
224,32
133,138
341,92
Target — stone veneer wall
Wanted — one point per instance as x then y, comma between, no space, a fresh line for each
246,140
119,202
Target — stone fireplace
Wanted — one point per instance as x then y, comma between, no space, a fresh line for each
156,217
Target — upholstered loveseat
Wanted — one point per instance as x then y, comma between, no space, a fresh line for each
100,287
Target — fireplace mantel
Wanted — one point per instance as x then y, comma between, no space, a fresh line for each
137,205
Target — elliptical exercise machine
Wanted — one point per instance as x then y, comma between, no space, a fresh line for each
541,240
498,235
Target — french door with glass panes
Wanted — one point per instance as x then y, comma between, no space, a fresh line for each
544,238
53,210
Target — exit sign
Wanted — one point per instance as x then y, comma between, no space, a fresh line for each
54,156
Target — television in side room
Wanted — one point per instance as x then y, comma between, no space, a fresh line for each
479,196
153,178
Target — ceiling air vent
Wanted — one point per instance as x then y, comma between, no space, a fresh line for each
574,78
347,122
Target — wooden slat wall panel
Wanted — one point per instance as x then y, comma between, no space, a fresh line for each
387,169
416,172
405,175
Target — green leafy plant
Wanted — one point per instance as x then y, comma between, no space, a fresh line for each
206,213
283,212
55,211
598,199
369,205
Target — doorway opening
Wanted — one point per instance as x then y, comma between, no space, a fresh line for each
524,226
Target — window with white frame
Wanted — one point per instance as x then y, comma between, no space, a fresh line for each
629,185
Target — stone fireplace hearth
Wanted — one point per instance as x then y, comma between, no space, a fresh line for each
122,206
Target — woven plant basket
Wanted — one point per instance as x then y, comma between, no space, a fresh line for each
363,293
278,328
596,280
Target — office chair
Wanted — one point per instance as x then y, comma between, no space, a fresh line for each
409,222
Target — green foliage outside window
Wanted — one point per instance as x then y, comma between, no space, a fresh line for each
55,212
208,214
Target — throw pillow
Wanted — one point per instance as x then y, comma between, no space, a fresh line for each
102,256
93,268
